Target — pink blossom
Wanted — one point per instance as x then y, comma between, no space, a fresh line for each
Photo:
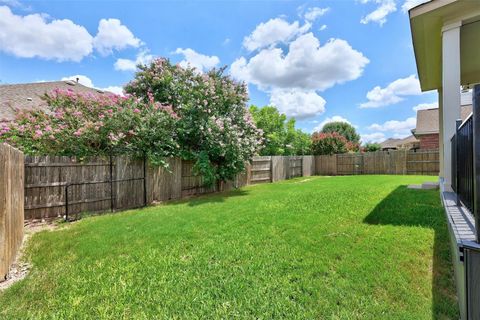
136,110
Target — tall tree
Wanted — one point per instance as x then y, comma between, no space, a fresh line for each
343,128
279,133
214,126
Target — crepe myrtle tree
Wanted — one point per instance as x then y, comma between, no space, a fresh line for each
330,143
84,125
343,128
214,128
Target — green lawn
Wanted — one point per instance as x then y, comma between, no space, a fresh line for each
360,247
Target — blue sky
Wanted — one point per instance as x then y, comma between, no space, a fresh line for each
315,60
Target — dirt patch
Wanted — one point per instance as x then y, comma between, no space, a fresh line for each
20,268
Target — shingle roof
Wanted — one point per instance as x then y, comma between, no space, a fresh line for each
428,119
28,96
390,143
399,143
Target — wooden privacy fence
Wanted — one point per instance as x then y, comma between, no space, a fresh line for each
277,168
421,162
54,183
11,206
59,185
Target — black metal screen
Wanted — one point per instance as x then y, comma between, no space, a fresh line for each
462,163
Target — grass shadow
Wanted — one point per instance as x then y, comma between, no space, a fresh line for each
422,208
214,197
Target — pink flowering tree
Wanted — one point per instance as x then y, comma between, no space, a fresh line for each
329,143
214,128
86,125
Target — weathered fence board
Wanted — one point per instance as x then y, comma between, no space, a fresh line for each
47,176
423,162
308,166
261,170
129,184
349,164
326,165
11,205
295,167
164,183
279,168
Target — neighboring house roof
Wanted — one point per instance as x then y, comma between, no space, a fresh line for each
409,140
28,96
390,143
405,143
427,122
428,119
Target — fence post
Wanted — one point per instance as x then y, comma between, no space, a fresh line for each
145,180
271,169
476,158
111,183
66,202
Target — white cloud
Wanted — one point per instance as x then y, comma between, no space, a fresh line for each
33,36
379,15
113,35
323,27
423,106
37,36
83,80
114,89
314,13
393,93
395,126
197,60
409,4
372,137
307,65
86,81
131,65
272,32
328,120
298,103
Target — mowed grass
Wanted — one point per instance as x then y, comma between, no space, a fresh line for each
360,247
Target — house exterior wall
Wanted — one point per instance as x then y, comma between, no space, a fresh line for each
429,141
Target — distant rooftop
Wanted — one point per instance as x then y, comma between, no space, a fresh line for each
428,119
407,142
28,96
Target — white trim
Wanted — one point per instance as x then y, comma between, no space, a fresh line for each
429,6
451,25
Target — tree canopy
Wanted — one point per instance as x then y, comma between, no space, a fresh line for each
343,128
371,147
169,111
280,137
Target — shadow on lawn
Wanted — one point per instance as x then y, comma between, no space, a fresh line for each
421,208
215,197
